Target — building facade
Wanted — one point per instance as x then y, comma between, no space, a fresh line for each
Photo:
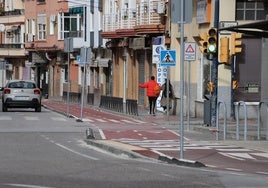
242,68
131,27
12,49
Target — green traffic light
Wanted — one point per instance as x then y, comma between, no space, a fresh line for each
212,48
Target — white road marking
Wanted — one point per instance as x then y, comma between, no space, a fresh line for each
139,121
58,119
25,185
102,134
113,120
264,173
234,149
31,118
87,120
230,156
260,154
101,120
234,169
78,153
5,118
127,121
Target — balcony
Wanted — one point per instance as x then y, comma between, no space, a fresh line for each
14,12
12,50
149,17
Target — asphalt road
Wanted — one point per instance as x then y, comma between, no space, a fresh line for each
47,150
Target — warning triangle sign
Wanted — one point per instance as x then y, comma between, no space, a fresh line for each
189,49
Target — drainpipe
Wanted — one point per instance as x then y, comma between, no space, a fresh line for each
215,64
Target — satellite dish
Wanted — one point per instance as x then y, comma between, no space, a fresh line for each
2,27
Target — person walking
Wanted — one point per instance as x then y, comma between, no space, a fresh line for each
153,91
168,92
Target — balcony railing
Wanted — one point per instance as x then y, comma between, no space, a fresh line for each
110,22
146,14
13,12
10,46
127,18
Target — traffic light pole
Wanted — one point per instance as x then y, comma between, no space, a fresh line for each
215,64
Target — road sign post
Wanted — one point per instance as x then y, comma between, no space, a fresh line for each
189,55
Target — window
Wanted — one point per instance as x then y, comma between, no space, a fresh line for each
249,10
41,1
41,26
41,31
70,25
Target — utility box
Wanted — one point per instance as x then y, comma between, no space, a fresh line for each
207,110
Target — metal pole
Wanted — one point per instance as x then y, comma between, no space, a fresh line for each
83,87
3,68
68,85
188,96
181,79
167,94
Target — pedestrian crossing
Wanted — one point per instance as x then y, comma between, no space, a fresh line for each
230,151
119,121
30,118
58,118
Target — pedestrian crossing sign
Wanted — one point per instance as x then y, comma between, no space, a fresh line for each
168,58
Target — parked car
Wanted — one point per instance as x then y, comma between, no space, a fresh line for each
21,94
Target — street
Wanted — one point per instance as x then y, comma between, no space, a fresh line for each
47,150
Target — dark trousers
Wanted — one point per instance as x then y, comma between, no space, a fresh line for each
152,104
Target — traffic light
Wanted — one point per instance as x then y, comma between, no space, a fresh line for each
203,43
224,50
212,40
236,43
210,87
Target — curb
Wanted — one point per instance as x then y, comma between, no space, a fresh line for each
113,150
131,154
181,162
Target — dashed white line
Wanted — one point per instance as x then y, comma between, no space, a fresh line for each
25,185
30,118
113,120
5,118
126,121
101,120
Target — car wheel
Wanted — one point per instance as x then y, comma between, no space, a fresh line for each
4,108
38,109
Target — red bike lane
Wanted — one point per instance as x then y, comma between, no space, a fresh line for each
153,138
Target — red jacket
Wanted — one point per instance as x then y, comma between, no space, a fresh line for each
150,88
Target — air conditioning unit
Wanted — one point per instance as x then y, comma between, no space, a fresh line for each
29,37
161,7
137,43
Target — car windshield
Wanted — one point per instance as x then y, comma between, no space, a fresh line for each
21,84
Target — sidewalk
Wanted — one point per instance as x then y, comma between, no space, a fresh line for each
195,132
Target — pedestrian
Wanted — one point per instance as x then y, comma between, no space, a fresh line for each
153,90
168,92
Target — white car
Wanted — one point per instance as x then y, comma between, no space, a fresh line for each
21,94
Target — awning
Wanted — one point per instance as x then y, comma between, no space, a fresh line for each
259,29
12,28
